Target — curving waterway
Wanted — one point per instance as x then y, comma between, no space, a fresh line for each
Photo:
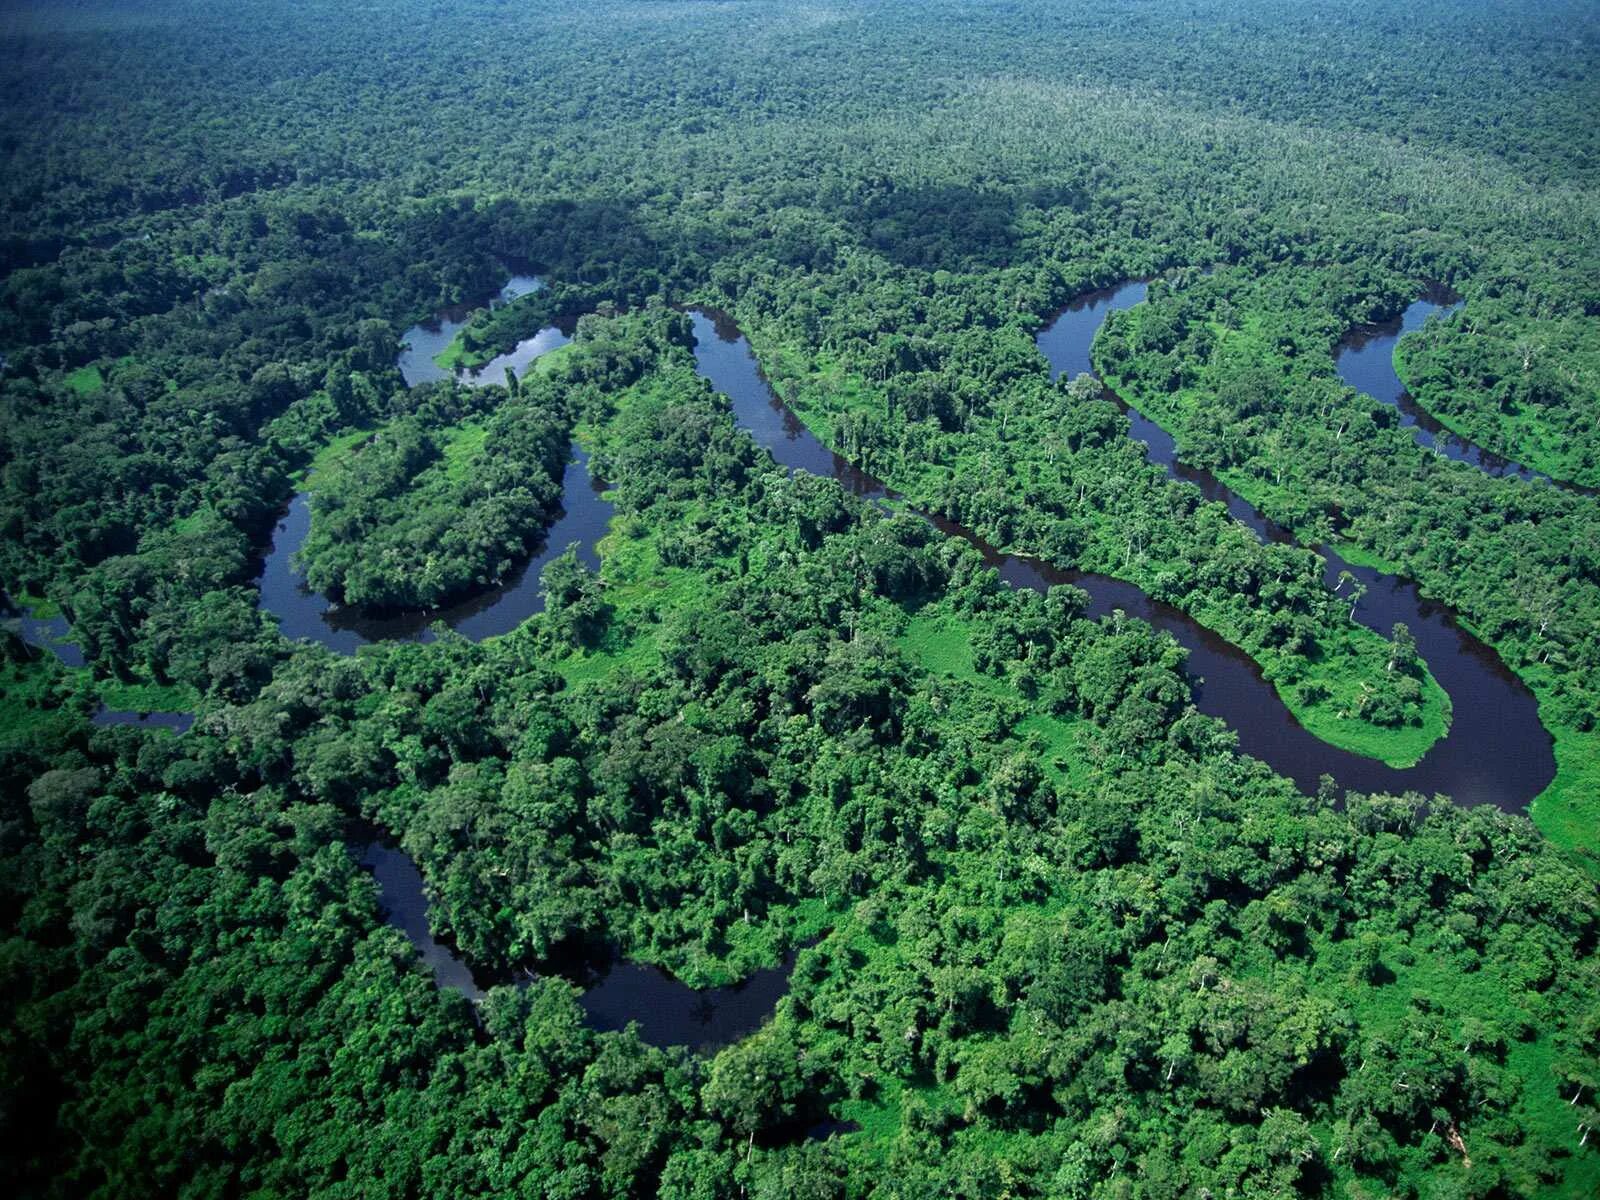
428,338
1365,361
616,993
1496,751
303,613
54,636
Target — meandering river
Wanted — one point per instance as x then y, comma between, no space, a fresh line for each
1496,751
1365,361
53,635
302,613
425,340
668,1013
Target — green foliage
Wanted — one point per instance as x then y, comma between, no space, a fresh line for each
1519,384
1518,561
1053,937
410,518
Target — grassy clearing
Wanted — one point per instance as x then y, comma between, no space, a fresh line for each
1351,657
1333,719
29,701
941,643
334,449
882,1118
38,606
457,358
147,696
641,590
548,361
1568,811
449,359
461,446
86,381
1541,435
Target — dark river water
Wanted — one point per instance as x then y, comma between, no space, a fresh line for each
53,634
668,1013
1496,751
175,722
302,613
1365,361
423,341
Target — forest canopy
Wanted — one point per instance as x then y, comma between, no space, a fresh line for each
1041,925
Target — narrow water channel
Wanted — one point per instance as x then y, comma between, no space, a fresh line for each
615,993
1496,752
302,613
52,635
1365,361
428,338
173,722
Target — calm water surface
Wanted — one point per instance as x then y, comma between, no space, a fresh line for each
1496,751
668,1013
302,613
1365,361
423,341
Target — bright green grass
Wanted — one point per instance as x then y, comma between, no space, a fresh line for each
456,357
192,523
335,448
453,357
462,445
882,1118
28,702
38,606
548,361
942,644
640,588
1568,811
147,696
1356,654
86,381
1334,720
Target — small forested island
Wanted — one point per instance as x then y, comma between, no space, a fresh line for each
864,600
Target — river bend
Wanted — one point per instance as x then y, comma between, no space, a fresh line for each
1496,751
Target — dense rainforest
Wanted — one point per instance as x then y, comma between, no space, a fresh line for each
942,753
